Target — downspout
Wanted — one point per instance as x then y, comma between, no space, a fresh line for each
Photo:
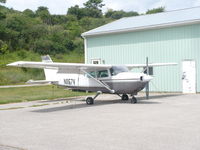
85,49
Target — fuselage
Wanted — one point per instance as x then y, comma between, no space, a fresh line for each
118,78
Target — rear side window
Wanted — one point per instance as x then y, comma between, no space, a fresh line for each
92,73
102,74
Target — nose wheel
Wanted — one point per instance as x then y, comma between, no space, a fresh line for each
89,100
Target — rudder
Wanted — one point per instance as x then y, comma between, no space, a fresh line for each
50,73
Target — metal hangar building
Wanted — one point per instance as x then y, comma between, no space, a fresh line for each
172,36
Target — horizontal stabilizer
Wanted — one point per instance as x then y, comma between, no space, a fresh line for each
39,82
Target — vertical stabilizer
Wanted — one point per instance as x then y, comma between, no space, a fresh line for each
50,73
47,59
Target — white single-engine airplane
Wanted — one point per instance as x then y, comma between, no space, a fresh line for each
100,78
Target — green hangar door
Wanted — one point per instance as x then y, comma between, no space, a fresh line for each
189,76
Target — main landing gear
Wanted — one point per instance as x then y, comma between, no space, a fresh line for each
134,100
90,100
125,97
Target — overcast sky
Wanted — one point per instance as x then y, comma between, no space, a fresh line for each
61,6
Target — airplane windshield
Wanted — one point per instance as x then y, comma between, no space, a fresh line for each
118,69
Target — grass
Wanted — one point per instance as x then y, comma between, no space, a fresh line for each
22,94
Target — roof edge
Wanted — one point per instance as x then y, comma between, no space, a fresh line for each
158,26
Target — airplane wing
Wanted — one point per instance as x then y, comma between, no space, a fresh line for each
131,66
61,67
77,67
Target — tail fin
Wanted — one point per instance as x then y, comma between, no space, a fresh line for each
50,74
46,59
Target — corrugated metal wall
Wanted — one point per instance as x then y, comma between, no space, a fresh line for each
172,44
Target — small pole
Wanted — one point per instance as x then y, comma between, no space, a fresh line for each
147,86
52,91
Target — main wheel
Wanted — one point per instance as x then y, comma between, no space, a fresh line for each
124,97
133,100
89,101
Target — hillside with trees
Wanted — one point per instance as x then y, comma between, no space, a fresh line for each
29,34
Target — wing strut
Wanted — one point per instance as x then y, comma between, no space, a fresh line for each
100,82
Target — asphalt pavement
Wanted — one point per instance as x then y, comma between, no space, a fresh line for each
164,122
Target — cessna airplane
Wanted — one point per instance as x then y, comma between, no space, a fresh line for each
100,78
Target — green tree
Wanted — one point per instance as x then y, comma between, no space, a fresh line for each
131,13
42,10
94,4
119,14
156,10
59,19
38,31
17,22
29,13
93,8
3,47
76,11
85,12
17,26
43,46
73,28
2,31
79,45
2,15
2,1
94,13
44,14
88,23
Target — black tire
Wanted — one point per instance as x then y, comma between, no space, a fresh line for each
134,100
125,97
89,101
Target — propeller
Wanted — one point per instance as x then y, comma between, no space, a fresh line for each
147,72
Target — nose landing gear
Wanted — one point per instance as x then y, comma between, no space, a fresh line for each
90,100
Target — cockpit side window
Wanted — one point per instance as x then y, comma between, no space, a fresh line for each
102,74
112,72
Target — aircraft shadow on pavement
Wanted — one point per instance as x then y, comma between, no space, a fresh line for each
74,105
160,96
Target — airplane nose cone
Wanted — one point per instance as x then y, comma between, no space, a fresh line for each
147,78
